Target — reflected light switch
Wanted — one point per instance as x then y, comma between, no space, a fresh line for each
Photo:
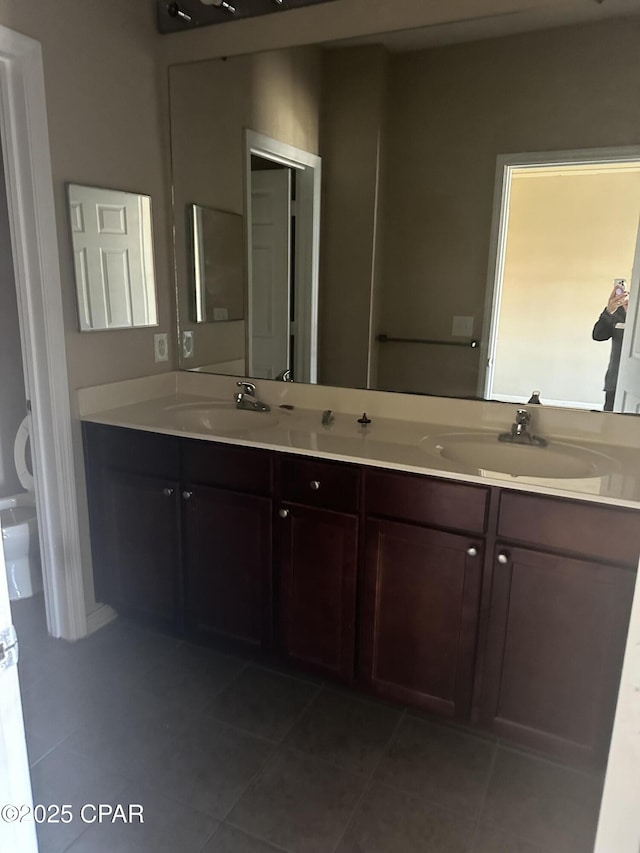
462,327
187,344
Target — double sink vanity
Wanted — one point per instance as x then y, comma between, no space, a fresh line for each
485,581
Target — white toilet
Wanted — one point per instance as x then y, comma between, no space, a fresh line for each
20,527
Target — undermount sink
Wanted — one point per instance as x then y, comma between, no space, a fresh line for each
558,460
219,417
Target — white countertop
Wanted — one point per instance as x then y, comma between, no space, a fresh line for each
385,443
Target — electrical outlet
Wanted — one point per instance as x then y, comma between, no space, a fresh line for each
187,344
161,347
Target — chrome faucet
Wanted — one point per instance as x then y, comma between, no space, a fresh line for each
519,433
246,399
285,375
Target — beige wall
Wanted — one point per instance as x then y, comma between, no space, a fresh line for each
12,394
212,103
569,236
451,112
352,128
106,128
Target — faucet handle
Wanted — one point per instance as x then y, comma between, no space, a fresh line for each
247,388
522,417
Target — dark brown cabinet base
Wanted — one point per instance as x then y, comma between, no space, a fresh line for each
554,652
316,559
228,565
474,603
420,599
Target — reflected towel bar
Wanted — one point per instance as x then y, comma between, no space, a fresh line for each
385,339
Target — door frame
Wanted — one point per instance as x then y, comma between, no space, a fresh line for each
34,241
506,165
307,251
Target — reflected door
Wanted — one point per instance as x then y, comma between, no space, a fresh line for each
113,258
628,386
270,286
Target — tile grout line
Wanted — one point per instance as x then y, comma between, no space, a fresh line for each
371,779
483,798
257,837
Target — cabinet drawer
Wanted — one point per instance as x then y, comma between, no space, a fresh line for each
226,465
596,532
324,484
131,450
438,503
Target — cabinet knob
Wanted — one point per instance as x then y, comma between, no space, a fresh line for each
472,551
283,513
503,558
315,485
167,492
186,495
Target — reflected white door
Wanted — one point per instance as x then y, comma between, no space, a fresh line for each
270,272
111,258
19,836
628,387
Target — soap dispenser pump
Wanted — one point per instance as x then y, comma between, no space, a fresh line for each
535,398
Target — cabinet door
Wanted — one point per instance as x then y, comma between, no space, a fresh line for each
556,637
317,552
420,594
140,535
228,565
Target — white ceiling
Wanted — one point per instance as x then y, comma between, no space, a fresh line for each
492,26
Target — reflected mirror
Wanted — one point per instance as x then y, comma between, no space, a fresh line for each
111,236
218,265
482,191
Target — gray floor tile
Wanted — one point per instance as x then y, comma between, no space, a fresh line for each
168,827
37,747
345,729
228,839
390,821
299,803
190,677
543,802
439,764
491,840
208,766
126,743
63,777
263,702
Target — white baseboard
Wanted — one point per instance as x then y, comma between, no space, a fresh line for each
99,618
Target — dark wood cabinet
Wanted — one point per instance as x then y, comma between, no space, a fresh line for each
420,593
316,562
142,546
135,526
227,561
420,599
316,552
475,603
554,652
557,623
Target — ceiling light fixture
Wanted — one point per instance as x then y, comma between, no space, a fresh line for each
222,4
176,12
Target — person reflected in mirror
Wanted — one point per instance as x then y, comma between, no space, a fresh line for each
610,326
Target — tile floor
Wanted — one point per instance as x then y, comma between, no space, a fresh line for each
229,757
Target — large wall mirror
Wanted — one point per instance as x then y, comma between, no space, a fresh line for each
112,242
477,202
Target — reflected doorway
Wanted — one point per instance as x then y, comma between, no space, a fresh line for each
567,226
282,233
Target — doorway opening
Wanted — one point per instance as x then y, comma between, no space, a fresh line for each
282,204
565,226
33,246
